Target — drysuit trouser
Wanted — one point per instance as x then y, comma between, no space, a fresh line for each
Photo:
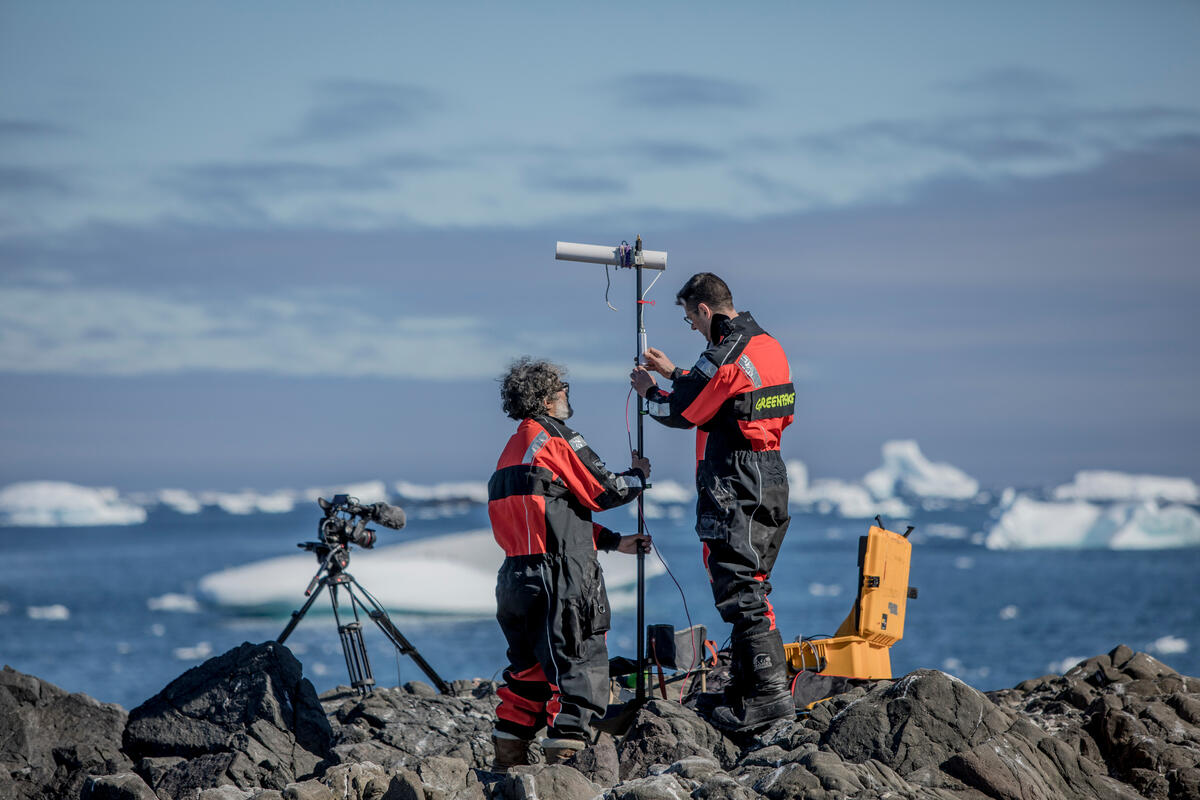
742,517
554,613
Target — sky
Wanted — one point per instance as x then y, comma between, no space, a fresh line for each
284,244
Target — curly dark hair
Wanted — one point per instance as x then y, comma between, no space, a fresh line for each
527,384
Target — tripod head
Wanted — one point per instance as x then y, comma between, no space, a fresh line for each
345,524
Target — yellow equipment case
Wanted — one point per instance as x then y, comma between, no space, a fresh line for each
859,649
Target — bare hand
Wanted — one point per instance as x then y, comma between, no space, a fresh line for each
631,543
641,463
657,360
641,380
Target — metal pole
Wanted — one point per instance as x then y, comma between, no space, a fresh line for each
641,555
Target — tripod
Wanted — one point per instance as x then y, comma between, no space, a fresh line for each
332,575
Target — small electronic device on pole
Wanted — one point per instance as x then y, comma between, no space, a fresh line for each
637,259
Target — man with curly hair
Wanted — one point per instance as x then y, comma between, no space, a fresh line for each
550,595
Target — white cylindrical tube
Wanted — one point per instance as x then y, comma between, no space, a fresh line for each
601,254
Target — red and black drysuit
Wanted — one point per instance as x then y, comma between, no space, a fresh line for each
740,397
550,595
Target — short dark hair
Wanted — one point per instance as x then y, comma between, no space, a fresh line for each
704,287
527,384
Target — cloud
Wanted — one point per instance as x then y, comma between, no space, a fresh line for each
1011,82
575,183
18,129
255,190
274,177
118,332
672,153
1054,140
33,181
405,163
667,91
351,109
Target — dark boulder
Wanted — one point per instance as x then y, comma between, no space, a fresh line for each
51,740
405,726
918,721
247,718
663,733
544,781
1139,726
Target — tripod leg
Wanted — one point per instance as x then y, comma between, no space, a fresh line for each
358,665
298,615
405,647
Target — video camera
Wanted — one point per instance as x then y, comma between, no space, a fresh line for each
345,521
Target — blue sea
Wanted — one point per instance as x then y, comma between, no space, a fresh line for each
114,611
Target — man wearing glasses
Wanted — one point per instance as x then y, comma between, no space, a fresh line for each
739,396
550,596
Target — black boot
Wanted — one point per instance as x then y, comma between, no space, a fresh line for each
762,667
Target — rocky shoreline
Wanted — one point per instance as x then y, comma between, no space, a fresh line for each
247,725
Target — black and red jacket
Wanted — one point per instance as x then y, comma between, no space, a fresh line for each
546,485
739,395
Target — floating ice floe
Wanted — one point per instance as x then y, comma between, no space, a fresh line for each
906,471
60,504
1027,523
1168,645
183,603
454,574
1108,485
201,651
54,613
1063,666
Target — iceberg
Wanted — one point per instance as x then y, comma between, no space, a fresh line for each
249,501
453,575
180,500
828,495
905,470
366,492
664,499
471,491
1027,523
1108,485
666,492
59,504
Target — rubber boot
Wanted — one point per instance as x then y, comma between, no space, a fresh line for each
511,751
556,751
766,699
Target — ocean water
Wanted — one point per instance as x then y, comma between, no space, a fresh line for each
114,611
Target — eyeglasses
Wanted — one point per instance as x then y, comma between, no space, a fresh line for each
566,387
